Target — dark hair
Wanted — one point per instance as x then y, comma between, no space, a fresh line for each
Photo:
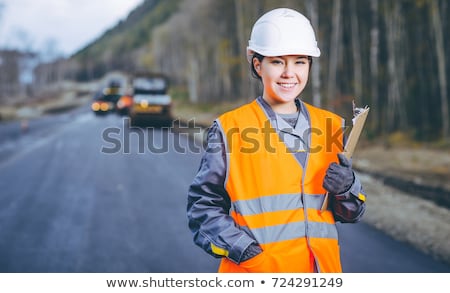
252,67
261,57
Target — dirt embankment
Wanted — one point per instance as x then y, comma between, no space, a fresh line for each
424,172
408,191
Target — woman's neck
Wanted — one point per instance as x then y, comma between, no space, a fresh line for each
283,108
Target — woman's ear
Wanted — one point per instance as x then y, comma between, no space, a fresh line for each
257,65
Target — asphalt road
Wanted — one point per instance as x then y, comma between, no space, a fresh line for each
80,193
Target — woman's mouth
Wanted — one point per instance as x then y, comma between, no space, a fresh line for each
287,85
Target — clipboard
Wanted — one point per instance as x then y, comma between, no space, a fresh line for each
359,119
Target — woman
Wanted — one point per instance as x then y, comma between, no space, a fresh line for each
256,199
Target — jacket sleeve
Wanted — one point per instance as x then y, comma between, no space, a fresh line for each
208,206
350,206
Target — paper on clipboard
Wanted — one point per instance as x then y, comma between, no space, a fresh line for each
358,124
359,119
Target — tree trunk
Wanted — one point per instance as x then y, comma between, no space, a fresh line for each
440,53
242,43
356,50
396,115
313,11
374,52
334,53
193,81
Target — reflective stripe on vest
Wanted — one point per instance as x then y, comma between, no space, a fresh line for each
273,198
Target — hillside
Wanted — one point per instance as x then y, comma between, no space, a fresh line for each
126,45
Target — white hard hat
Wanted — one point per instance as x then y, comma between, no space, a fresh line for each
282,31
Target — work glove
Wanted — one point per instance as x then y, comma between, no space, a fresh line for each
339,177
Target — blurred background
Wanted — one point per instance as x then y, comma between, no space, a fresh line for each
389,55
69,70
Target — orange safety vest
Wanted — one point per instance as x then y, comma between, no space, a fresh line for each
274,199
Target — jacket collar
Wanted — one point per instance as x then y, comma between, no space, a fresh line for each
281,125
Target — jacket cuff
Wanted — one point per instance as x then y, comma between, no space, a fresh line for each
237,250
251,251
354,190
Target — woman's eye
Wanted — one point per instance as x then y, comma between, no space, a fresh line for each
276,62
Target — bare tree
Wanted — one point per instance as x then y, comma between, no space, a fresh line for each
313,11
356,51
440,54
242,43
396,113
374,52
334,51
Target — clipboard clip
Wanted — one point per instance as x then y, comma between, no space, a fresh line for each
356,110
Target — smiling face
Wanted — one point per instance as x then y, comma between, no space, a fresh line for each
284,78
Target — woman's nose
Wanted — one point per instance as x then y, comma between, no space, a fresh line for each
288,70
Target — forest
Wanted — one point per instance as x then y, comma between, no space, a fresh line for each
388,55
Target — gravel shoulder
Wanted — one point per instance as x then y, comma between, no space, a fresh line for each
407,216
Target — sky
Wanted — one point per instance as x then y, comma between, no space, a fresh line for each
58,27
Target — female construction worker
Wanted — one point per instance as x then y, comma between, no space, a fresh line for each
256,199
